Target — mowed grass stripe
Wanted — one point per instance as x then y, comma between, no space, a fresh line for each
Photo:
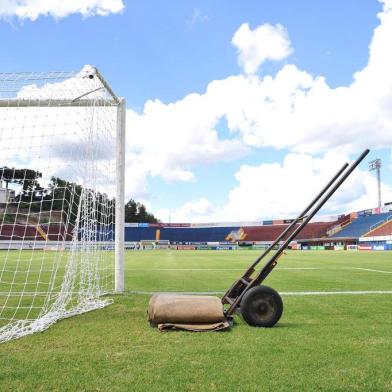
323,342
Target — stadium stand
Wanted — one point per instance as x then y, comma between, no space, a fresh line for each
19,232
57,232
263,233
383,230
342,221
179,234
351,229
200,234
315,230
269,233
140,233
361,225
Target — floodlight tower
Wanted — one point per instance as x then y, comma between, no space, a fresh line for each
376,165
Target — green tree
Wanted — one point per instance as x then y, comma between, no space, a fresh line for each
137,213
64,196
26,177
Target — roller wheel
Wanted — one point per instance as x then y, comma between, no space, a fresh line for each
261,306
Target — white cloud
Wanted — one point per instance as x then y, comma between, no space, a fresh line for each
265,42
273,191
298,111
292,110
283,190
33,9
387,4
169,140
199,210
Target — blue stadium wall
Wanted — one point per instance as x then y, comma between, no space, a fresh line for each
179,234
375,245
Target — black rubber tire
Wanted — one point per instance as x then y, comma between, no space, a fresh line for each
261,306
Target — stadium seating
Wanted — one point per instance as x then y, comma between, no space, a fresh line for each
179,234
55,232
18,232
219,234
263,233
384,229
271,232
361,225
315,230
199,234
58,232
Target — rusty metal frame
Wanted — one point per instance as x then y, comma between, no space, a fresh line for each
234,295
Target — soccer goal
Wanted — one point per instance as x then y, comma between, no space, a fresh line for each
62,158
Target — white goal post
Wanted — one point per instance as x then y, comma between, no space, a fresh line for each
62,176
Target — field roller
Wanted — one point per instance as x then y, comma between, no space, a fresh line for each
259,305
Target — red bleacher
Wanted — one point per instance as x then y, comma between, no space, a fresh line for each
19,232
315,230
385,229
58,232
263,233
271,232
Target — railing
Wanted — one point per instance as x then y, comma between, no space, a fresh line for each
335,229
387,219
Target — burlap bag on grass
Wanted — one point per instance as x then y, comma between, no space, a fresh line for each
187,312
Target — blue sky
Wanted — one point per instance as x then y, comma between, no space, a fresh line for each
156,50
159,49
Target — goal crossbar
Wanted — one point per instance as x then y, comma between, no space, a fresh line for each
50,103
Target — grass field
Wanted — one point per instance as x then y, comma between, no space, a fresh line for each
335,342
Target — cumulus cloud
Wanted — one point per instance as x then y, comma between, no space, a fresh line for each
200,210
168,140
302,112
282,190
291,110
33,9
299,111
265,42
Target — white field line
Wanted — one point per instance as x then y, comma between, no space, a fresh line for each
373,270
217,269
287,293
299,293
243,269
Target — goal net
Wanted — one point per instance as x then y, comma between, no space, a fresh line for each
59,180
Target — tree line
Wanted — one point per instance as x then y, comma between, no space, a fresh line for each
62,195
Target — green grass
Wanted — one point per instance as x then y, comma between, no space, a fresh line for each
329,343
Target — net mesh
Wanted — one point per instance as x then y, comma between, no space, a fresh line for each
57,189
